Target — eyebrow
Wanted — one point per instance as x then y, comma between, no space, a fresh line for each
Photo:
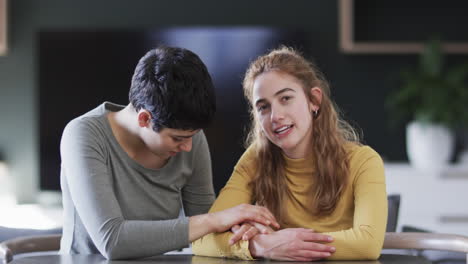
179,136
276,94
183,136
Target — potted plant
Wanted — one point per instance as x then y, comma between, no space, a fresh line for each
436,100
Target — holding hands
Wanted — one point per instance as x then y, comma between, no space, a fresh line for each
221,221
291,244
224,220
248,230
257,224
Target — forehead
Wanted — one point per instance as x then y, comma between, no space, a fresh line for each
267,84
178,132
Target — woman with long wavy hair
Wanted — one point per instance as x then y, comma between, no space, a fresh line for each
307,166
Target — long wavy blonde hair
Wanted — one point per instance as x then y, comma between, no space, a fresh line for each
329,131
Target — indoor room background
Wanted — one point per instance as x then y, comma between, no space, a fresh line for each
360,83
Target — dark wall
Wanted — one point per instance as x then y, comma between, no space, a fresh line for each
94,71
360,83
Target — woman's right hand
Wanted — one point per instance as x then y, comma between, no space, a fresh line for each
224,220
292,244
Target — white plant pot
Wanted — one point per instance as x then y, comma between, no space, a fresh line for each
429,146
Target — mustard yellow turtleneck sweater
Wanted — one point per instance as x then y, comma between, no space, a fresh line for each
357,224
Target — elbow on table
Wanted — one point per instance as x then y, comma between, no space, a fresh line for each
113,251
112,254
371,251
110,243
370,246
373,254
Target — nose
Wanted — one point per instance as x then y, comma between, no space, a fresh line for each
186,145
277,113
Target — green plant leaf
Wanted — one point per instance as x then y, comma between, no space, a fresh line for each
432,58
430,94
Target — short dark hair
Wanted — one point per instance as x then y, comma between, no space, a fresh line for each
174,85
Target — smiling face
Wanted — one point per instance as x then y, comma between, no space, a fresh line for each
284,112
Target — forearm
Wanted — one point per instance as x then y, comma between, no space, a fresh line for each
362,243
211,228
138,239
293,244
364,239
217,245
200,225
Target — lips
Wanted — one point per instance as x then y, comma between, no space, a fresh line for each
283,129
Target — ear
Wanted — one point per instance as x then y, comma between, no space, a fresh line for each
316,98
144,118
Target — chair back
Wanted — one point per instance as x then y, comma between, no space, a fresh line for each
393,209
426,241
11,247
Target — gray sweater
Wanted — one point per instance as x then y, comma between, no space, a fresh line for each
115,206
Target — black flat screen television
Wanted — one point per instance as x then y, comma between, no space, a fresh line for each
79,70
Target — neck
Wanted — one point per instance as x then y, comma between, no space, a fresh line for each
298,154
125,128
124,124
302,151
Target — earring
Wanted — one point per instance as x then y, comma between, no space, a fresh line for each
315,112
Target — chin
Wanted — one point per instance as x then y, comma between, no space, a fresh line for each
288,148
283,147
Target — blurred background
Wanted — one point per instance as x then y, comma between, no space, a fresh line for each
65,57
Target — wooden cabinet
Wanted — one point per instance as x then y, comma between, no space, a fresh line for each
437,201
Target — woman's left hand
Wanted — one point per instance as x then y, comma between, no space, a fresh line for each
248,230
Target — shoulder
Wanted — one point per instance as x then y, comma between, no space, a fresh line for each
83,126
364,160
84,137
88,127
248,159
358,154
249,154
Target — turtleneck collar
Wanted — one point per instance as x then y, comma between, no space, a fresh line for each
302,164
